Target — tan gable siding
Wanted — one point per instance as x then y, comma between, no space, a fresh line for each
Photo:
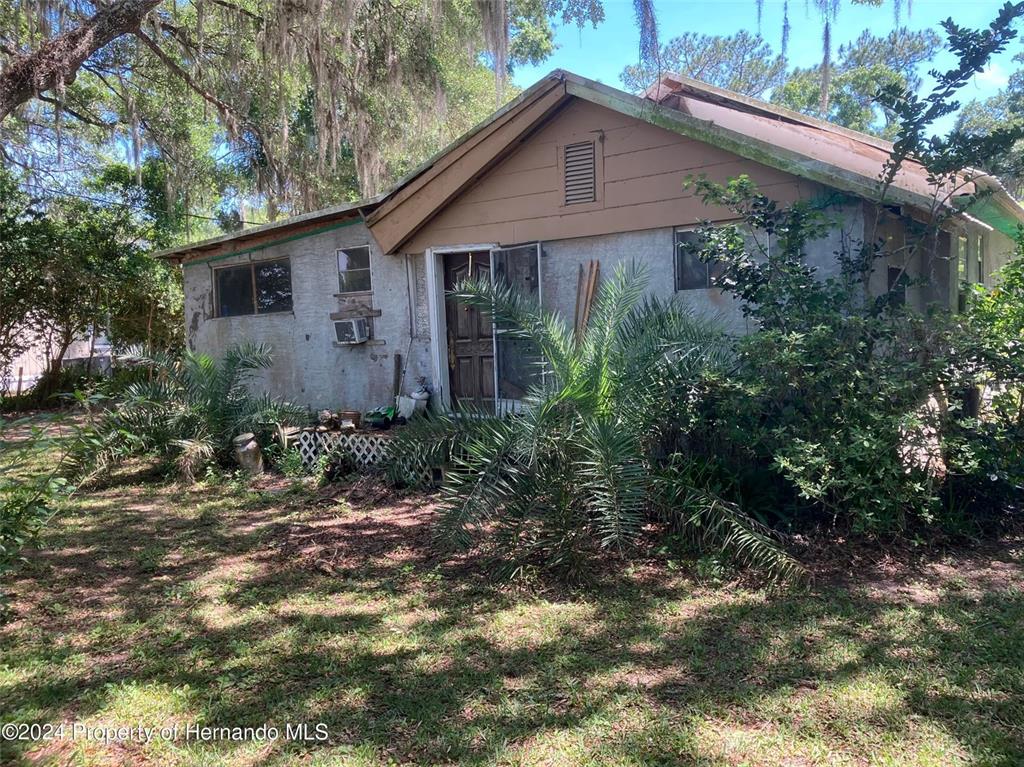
641,173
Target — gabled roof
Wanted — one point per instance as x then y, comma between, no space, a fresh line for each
756,130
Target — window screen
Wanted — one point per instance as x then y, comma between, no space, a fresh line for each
354,270
691,272
261,287
273,286
961,258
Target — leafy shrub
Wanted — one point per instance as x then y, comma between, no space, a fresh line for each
187,413
291,465
335,464
596,454
985,445
28,497
850,407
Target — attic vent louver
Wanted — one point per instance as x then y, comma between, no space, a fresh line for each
580,183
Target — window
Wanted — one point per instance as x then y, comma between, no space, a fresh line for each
691,272
961,259
354,270
898,282
580,173
259,287
979,254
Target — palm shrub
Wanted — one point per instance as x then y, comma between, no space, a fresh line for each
187,412
598,451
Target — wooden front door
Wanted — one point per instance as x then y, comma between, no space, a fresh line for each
470,341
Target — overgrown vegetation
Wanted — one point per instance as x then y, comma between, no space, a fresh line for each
72,269
853,411
599,450
844,406
186,412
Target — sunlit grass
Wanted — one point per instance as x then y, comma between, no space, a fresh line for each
159,604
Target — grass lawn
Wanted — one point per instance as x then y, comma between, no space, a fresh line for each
229,604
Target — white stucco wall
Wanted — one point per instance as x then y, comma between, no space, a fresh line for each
999,251
308,367
654,249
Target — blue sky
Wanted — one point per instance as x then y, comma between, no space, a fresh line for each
602,53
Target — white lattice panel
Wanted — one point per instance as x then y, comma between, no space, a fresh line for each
366,449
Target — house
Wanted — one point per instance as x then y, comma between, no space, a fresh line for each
569,172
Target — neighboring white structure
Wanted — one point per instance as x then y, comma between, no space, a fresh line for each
27,368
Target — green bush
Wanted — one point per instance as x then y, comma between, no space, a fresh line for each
986,448
849,407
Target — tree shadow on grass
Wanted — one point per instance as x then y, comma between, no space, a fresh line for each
222,601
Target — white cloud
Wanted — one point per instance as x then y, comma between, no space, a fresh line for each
993,76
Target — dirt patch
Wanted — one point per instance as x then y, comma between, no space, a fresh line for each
367,523
902,572
363,523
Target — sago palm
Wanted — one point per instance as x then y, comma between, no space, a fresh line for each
188,412
597,452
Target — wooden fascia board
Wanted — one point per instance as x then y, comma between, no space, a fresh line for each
404,214
412,181
740,144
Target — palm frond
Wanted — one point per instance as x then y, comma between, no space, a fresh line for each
616,479
712,521
191,408
518,314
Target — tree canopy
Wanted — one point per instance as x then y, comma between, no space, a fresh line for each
742,62
862,68
289,105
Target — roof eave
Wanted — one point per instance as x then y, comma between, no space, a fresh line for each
348,210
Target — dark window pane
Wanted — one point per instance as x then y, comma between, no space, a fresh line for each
979,252
353,258
234,291
354,280
273,286
517,268
691,272
898,281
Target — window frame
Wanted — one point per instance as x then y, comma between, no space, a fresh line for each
979,257
252,266
963,259
368,269
709,280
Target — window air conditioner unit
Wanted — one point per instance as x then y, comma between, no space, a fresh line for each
354,331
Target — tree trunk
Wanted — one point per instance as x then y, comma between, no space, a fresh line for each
56,62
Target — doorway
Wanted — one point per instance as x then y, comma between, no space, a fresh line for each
470,336
476,363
